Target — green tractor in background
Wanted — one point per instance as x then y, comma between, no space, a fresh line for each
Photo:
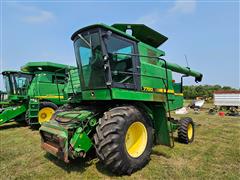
123,106
34,93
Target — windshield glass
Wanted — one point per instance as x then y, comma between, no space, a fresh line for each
121,61
89,57
19,83
7,84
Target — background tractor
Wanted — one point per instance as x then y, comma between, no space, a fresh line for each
34,93
125,98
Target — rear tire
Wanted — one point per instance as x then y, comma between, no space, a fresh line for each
186,131
113,147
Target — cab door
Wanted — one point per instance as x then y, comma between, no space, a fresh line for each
124,64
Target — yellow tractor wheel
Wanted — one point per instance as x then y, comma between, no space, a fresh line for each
136,139
47,109
124,139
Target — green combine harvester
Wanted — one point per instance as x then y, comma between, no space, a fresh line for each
123,107
34,93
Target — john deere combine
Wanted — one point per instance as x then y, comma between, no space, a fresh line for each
123,108
35,92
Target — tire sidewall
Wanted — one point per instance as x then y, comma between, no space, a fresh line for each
48,104
184,130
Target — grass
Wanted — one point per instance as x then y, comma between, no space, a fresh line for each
215,154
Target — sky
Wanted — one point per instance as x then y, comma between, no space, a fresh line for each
207,32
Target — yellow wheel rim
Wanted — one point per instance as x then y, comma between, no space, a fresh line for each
45,114
190,131
136,139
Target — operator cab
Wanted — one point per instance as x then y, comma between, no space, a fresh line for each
16,82
108,57
104,58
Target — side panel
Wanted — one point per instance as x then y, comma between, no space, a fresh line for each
99,94
153,77
123,94
161,124
175,101
43,87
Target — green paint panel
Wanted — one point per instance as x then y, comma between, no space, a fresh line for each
143,33
175,102
12,112
99,94
80,141
124,94
161,125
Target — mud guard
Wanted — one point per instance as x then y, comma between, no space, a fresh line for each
161,125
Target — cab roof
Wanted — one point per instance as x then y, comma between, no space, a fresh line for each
140,32
143,33
13,72
45,66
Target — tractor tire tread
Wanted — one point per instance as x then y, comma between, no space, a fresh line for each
108,142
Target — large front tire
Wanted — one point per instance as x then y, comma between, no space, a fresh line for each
124,139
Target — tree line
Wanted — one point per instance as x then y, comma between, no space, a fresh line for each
205,91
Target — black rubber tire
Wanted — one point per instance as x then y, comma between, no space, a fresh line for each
21,119
183,130
48,104
110,140
27,119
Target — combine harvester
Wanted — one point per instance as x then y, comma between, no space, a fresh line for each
34,93
123,108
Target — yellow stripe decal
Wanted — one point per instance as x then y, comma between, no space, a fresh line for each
50,97
149,89
178,94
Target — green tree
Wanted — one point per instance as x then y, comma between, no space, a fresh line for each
191,92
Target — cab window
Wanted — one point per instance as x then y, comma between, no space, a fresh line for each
121,62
